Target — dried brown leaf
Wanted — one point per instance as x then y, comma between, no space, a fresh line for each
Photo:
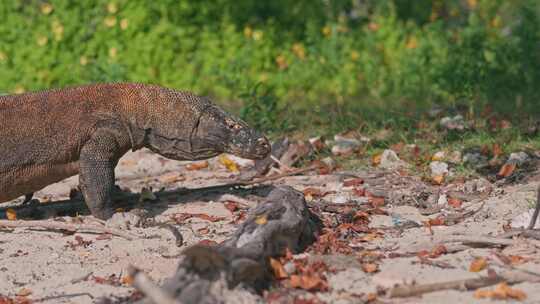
506,170
197,165
370,267
478,265
278,269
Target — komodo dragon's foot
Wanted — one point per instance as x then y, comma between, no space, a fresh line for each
27,198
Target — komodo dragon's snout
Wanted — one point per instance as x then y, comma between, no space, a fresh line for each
209,131
222,132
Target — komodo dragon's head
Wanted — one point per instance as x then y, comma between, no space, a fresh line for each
198,129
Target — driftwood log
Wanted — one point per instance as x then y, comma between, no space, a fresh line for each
281,221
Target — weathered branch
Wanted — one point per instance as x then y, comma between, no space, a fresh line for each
536,211
51,225
512,277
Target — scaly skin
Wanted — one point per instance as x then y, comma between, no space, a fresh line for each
51,135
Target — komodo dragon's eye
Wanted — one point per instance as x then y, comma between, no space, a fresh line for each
232,124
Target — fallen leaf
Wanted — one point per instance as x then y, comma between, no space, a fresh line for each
439,221
278,269
517,260
359,191
370,267
311,193
231,206
371,297
497,150
478,265
308,282
436,252
127,280
438,179
203,230
239,217
376,159
506,170
375,201
197,165
501,292
171,178
438,156
261,220
454,202
11,214
228,163
398,147
369,237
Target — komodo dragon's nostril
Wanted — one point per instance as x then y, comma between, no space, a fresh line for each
262,141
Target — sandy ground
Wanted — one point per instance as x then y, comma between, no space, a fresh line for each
83,268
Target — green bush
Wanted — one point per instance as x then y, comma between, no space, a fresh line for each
329,59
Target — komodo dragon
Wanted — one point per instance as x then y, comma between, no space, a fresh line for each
51,135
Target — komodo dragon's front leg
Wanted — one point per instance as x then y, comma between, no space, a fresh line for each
97,161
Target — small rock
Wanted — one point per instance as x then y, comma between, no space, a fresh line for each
453,123
455,157
341,199
443,200
400,222
438,156
522,220
475,160
390,160
344,146
438,168
406,215
330,162
518,158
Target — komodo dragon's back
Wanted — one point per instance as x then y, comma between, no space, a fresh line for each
41,133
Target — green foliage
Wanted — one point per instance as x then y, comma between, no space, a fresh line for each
326,60
261,109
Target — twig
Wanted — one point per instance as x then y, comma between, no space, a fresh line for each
64,226
179,239
81,278
229,197
536,210
281,165
481,240
512,277
145,285
416,290
273,177
527,233
440,264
